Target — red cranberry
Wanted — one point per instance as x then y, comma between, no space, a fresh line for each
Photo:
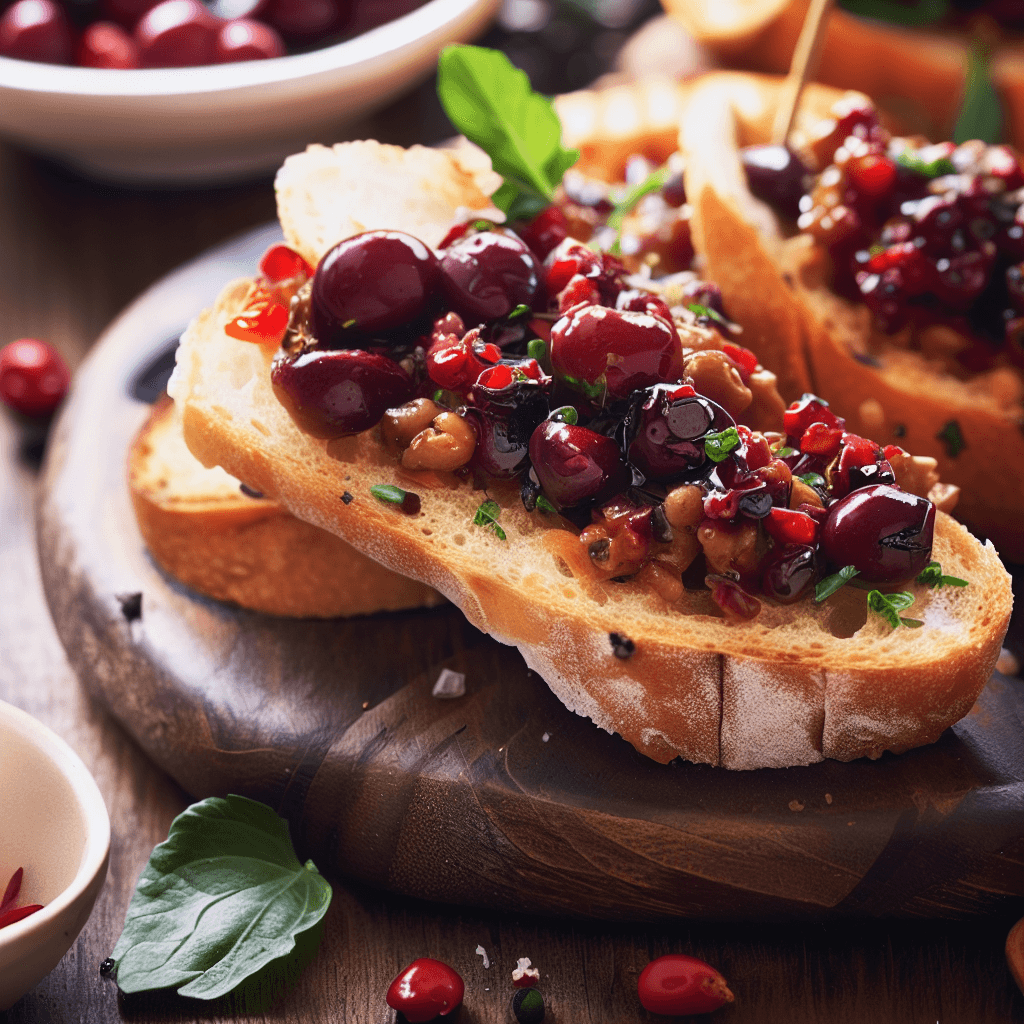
306,20
104,44
618,351
177,33
371,282
36,30
424,990
678,984
486,275
640,301
245,39
807,410
282,263
885,533
776,175
545,231
576,465
33,377
339,391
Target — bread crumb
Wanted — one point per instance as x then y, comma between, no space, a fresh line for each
545,737
1008,664
828,798
480,951
795,805
450,684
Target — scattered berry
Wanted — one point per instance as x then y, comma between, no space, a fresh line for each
33,377
424,990
678,984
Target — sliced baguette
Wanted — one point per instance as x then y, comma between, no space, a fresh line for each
201,528
891,394
796,685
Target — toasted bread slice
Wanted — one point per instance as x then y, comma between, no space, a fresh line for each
797,684
202,529
893,395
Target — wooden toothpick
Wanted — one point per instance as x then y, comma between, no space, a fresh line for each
804,64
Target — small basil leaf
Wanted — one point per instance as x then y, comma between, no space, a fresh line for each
487,517
981,116
830,584
717,446
388,492
220,899
654,181
890,605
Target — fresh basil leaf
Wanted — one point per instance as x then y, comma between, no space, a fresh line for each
220,899
654,181
830,584
911,623
930,169
923,12
707,312
952,437
487,517
784,452
717,446
491,102
981,116
889,605
544,505
932,576
388,492
812,479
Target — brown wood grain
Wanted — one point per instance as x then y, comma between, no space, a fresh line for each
71,254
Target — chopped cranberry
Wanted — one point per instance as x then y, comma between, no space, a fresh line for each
578,291
36,30
872,174
776,175
821,439
105,44
915,270
745,360
455,364
576,465
282,263
809,409
263,320
177,33
246,39
545,231
738,606
33,377
788,526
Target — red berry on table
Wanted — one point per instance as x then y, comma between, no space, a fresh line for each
424,990
245,39
177,33
678,984
105,44
33,377
36,30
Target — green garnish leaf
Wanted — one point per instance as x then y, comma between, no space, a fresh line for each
654,181
492,103
388,492
981,116
544,505
717,446
952,437
899,12
536,348
783,452
521,310
812,479
912,623
930,169
830,584
487,517
706,311
932,576
349,323
220,899
594,391
890,605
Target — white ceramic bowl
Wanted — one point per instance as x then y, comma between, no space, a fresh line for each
55,826
179,126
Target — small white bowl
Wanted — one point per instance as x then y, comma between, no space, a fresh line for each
180,126
56,827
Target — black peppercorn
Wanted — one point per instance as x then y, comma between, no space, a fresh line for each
107,967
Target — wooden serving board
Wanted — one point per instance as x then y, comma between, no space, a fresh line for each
500,798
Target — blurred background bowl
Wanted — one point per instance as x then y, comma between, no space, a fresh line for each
223,122
55,826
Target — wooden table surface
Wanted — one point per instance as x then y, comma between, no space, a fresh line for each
72,254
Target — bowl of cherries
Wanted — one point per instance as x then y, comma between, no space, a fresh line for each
176,92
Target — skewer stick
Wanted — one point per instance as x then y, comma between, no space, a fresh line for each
803,66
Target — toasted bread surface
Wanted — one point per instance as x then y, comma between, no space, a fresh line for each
795,685
203,530
894,395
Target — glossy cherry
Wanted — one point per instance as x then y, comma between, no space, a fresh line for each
545,231
246,39
36,30
369,283
339,391
596,349
105,44
678,984
33,377
789,571
177,33
486,275
776,175
885,533
575,465
426,989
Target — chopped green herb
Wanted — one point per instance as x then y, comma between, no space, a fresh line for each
707,312
491,102
521,310
348,323
890,605
899,12
952,437
388,492
830,584
812,479
565,414
592,391
487,517
654,181
717,446
981,115
783,452
482,225
930,168
537,348
544,505
912,623
931,576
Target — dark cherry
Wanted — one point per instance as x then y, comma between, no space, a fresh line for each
339,391
369,283
776,175
576,465
33,377
884,532
665,430
36,30
486,275
105,44
595,349
426,989
305,20
505,420
177,33
545,231
246,39
789,571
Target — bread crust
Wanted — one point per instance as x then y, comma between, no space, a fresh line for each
893,395
791,687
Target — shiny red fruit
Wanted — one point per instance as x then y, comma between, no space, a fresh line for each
424,990
36,30
33,377
678,984
281,263
575,465
618,351
177,33
245,39
262,321
105,44
126,12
